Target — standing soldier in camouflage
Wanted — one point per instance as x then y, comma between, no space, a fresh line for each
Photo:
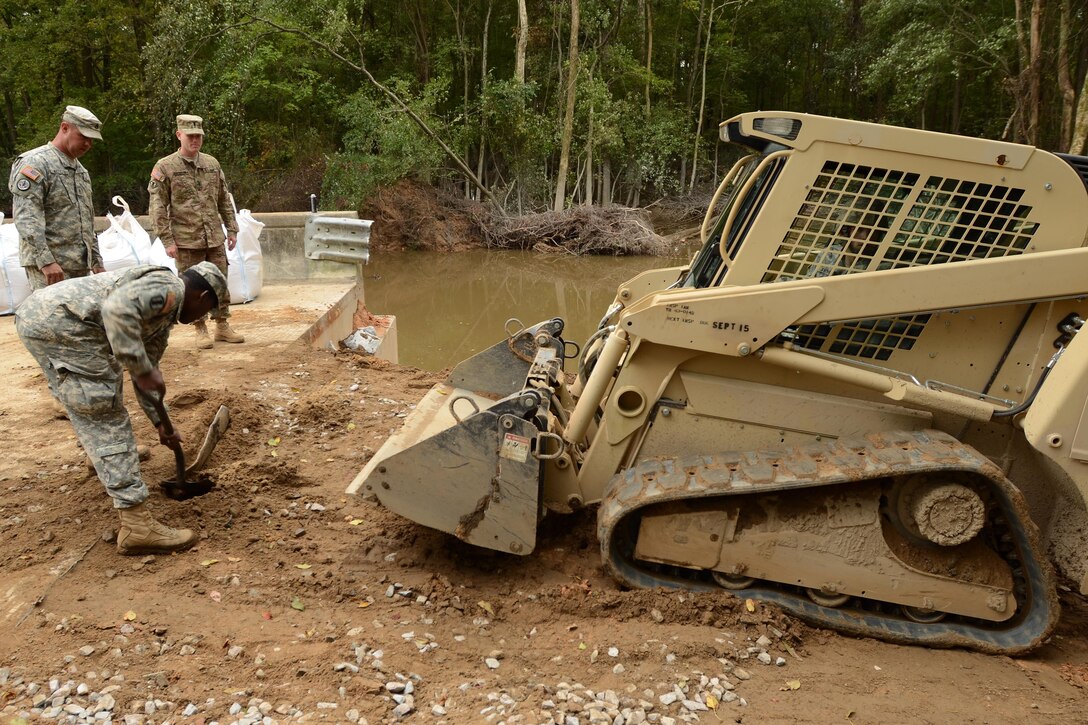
52,203
190,206
83,332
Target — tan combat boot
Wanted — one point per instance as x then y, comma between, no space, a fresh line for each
140,533
203,340
224,333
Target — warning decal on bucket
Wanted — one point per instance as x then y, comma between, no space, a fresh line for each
514,447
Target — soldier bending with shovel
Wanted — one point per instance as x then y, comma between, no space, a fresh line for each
82,331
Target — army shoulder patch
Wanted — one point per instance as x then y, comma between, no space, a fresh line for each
31,173
156,174
22,184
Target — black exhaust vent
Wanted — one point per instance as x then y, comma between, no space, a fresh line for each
1079,164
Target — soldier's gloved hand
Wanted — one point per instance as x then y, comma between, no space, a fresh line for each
152,382
53,273
170,440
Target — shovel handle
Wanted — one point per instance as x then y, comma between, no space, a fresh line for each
168,428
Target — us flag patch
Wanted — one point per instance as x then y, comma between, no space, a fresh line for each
156,174
31,173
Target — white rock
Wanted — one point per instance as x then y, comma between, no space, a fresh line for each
401,710
189,710
613,652
235,651
694,706
86,650
741,674
764,658
763,641
668,698
492,663
438,711
618,670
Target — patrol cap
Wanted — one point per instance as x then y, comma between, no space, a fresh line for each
87,123
215,278
191,124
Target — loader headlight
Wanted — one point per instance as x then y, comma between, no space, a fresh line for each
786,128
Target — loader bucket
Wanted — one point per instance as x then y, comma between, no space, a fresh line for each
464,462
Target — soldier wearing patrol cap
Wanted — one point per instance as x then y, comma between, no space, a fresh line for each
84,333
189,207
52,203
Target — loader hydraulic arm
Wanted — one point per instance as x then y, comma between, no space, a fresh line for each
737,321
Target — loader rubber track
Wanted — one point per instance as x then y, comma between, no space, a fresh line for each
836,462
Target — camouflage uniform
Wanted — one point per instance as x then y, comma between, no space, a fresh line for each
83,332
53,213
188,199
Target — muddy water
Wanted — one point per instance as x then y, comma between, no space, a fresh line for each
451,306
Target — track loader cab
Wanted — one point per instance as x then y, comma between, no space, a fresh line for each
862,400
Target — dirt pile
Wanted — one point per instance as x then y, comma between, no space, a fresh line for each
412,216
302,604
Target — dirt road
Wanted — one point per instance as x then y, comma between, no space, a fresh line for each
302,604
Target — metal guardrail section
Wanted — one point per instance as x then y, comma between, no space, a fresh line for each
337,239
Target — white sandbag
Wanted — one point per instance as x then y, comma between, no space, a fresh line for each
125,244
245,263
14,286
158,256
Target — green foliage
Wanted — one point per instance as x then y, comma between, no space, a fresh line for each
381,144
276,101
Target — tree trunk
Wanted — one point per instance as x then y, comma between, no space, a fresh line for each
587,196
1065,76
695,55
1035,76
649,51
483,95
423,45
466,67
1080,124
568,116
523,41
957,99
702,95
606,182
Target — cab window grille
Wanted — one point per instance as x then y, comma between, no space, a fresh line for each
874,339
858,218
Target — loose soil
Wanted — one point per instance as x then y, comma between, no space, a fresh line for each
296,574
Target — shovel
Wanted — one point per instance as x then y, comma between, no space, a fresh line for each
188,484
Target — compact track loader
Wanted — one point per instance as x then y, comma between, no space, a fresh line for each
863,400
